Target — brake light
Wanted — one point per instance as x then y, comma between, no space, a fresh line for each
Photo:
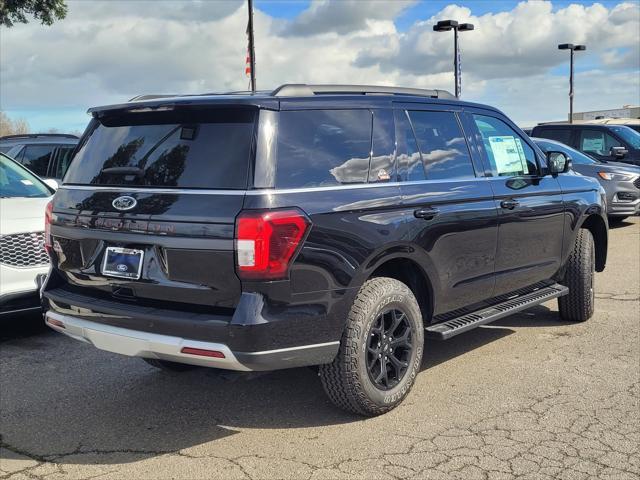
267,241
48,214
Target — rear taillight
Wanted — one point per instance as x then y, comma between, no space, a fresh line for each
266,242
48,213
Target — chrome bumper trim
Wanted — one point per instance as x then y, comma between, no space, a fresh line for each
134,343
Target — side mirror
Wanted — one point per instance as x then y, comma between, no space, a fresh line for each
618,152
559,162
52,183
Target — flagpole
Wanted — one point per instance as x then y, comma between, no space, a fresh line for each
252,52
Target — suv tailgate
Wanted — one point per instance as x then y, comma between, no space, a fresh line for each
185,173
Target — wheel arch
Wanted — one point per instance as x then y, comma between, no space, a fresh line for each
409,272
598,228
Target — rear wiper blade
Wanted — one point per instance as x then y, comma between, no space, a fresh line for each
137,171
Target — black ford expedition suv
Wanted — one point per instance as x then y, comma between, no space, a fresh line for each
335,226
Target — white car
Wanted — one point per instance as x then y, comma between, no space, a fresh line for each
23,199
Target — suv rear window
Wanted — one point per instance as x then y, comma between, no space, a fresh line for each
184,148
323,147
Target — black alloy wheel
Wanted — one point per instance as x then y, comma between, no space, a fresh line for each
389,349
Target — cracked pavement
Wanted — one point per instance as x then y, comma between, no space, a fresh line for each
528,397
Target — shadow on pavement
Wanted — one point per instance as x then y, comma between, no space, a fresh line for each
61,396
21,325
620,223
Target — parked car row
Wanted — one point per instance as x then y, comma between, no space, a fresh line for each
47,155
607,143
620,181
23,197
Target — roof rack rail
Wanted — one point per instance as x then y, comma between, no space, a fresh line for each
304,90
139,98
36,135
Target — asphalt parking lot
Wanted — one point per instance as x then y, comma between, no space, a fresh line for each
529,397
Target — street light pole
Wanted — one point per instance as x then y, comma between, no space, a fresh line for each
252,50
456,63
572,48
445,26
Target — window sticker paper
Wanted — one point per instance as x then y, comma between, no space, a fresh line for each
508,155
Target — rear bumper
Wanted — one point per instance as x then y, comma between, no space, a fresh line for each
251,339
134,343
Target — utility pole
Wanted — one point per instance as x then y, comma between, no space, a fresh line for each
252,51
572,48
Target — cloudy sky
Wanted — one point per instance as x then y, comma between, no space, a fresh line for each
109,51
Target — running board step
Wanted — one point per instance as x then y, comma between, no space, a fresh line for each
451,328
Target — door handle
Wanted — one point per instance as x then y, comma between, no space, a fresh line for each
509,204
425,213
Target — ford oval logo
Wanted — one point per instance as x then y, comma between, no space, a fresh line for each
124,203
122,267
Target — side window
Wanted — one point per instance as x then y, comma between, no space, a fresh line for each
323,148
409,159
444,150
560,135
597,142
63,160
36,158
383,148
507,153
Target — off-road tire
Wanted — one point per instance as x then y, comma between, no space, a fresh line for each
168,366
578,304
346,380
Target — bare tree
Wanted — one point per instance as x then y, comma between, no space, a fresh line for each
12,127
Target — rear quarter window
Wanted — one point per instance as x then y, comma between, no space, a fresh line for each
323,148
186,149
37,157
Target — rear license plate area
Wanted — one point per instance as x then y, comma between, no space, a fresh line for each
122,263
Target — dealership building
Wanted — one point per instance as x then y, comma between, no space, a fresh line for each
627,111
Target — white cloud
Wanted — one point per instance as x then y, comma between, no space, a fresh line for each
342,17
107,52
511,44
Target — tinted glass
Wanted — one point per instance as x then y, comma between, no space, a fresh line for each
561,135
597,142
444,150
63,160
576,156
36,158
409,159
629,135
188,148
5,149
507,152
323,147
15,181
383,149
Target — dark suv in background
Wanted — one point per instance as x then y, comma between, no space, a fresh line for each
48,155
313,225
607,143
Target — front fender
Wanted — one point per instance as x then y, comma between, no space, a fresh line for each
585,207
